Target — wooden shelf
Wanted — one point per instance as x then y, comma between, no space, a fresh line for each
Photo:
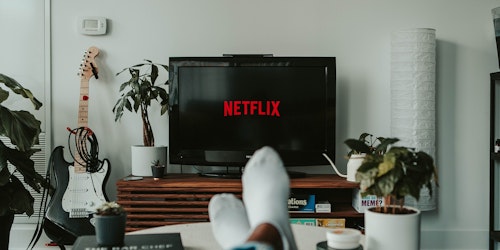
184,198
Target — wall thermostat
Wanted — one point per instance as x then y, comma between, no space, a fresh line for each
93,25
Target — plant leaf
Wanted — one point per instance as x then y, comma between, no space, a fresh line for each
21,127
4,171
23,201
3,95
20,90
357,145
384,143
154,74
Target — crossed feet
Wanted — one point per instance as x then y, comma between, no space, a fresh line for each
262,217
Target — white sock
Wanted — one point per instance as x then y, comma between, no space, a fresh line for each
228,219
266,188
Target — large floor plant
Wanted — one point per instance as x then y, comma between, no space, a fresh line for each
22,129
137,94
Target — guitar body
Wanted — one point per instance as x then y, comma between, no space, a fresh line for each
59,226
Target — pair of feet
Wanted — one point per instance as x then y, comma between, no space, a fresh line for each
266,188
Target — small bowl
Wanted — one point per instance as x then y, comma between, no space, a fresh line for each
343,238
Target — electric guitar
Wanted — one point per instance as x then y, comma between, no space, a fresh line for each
78,192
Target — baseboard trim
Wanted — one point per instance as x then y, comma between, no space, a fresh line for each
454,239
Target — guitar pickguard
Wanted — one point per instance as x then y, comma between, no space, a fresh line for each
84,192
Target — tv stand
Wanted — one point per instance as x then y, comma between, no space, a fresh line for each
184,198
227,174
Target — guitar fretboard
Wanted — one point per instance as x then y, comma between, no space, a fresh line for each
83,106
83,118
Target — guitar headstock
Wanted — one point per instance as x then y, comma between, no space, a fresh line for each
88,68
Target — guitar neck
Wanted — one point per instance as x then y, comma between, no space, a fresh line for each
87,70
83,119
83,106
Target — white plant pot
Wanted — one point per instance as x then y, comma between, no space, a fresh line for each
392,231
142,158
354,162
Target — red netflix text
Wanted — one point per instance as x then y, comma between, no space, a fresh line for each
263,108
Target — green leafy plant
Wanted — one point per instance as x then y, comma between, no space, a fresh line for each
367,144
110,208
23,129
394,173
156,163
139,92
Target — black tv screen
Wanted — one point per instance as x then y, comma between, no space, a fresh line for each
222,109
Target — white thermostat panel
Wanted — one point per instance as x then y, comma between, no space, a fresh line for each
93,25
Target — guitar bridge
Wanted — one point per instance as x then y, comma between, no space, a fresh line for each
78,213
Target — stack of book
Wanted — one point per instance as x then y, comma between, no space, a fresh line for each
300,203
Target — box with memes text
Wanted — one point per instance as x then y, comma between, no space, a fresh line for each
361,203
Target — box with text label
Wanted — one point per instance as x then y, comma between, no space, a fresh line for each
303,221
299,203
331,223
361,203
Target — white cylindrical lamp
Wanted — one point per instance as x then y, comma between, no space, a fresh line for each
413,104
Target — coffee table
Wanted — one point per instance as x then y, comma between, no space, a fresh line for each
199,235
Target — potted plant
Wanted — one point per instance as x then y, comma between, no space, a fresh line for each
392,175
157,169
110,219
365,144
137,95
23,129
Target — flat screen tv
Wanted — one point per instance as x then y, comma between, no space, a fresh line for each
222,109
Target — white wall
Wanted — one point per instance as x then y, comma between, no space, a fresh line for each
357,32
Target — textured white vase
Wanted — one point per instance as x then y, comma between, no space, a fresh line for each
392,231
142,158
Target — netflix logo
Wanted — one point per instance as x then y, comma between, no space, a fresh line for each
262,108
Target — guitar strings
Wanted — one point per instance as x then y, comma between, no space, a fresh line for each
87,147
